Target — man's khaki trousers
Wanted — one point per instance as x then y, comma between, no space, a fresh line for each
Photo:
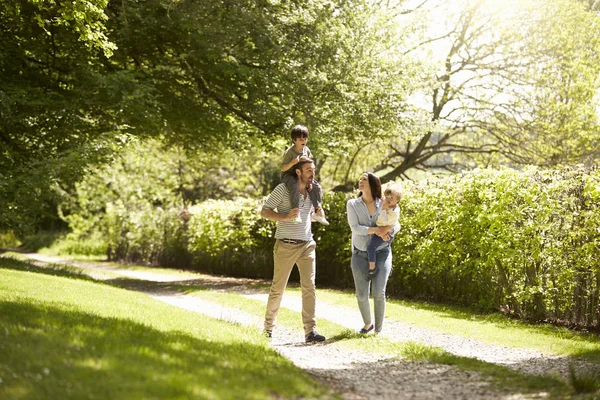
285,256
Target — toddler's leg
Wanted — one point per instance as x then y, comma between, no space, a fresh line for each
374,242
371,247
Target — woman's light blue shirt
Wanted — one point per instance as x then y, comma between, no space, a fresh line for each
360,221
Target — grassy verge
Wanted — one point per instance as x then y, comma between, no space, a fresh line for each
495,329
504,378
489,328
66,337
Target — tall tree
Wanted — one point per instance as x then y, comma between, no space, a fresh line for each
208,75
222,71
49,110
516,84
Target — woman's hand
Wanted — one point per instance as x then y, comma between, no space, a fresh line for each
383,231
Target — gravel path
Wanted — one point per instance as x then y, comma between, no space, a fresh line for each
354,374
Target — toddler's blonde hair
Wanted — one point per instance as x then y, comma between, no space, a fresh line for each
393,190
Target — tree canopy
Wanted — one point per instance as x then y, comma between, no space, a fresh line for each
446,84
515,83
205,75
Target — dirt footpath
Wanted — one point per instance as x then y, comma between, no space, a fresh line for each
354,374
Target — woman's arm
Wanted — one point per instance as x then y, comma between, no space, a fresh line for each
353,220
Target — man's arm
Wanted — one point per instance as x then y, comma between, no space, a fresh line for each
273,202
275,216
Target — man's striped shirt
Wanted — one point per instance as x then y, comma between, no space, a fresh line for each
279,201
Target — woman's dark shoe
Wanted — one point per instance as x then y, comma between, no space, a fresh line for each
364,331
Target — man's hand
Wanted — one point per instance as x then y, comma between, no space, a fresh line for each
294,212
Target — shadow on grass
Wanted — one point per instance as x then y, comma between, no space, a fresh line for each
347,334
501,321
47,269
503,376
52,353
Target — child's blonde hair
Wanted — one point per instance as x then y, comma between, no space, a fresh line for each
393,190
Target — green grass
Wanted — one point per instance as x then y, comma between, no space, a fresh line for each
584,382
21,264
502,377
65,337
489,328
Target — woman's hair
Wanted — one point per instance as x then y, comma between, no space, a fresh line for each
374,184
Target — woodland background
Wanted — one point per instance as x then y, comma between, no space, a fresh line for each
151,131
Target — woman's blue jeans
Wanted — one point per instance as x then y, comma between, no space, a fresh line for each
360,269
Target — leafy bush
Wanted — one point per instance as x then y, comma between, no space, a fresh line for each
8,239
70,244
230,237
40,240
333,243
525,242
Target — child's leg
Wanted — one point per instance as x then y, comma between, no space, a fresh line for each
316,194
316,198
291,182
374,242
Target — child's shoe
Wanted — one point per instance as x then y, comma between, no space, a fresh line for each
320,219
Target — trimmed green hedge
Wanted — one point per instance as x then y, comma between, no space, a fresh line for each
230,238
525,242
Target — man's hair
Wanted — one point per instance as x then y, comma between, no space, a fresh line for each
303,160
393,190
299,131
